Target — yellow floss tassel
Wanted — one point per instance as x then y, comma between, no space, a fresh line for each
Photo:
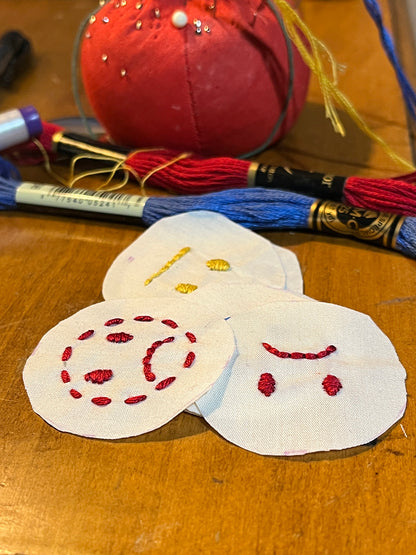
297,30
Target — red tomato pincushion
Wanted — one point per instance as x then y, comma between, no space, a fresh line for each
208,76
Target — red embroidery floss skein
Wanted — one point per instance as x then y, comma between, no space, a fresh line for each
196,174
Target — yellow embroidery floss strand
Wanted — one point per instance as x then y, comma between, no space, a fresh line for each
313,57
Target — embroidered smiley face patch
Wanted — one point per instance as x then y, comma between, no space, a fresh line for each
309,376
125,367
181,254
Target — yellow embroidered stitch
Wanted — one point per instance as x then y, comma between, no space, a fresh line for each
218,265
186,287
168,264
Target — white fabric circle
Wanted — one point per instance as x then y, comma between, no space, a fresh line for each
208,236
121,368
233,298
299,416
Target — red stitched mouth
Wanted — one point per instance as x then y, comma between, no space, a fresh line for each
98,376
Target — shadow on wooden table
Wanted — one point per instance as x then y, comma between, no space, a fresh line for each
186,425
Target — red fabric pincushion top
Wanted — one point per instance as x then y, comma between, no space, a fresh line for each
216,85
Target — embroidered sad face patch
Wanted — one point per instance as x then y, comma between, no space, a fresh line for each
181,254
309,376
124,367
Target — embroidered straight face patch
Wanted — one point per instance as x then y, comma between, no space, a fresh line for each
179,255
309,376
125,367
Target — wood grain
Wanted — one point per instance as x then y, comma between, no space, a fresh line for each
182,488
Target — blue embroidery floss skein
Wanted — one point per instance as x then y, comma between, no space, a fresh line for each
256,208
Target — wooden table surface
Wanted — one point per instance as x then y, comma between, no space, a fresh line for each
183,488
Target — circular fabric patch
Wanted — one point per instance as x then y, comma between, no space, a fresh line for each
233,298
124,367
179,254
309,376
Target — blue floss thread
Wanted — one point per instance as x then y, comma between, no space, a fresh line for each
253,208
408,92
8,170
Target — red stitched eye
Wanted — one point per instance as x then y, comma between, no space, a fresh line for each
331,385
267,384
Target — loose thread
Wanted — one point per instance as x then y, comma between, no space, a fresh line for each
47,163
296,28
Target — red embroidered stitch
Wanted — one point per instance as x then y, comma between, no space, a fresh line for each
114,322
165,383
267,384
170,323
86,335
66,355
119,337
65,377
144,319
147,367
331,385
147,371
75,394
98,376
169,339
101,401
190,357
297,355
191,337
135,400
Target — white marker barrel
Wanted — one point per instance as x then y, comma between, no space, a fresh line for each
18,125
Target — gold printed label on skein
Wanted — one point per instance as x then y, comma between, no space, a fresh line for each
362,223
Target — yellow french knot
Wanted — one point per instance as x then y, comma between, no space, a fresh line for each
218,264
186,287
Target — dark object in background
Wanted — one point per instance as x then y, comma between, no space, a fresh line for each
15,56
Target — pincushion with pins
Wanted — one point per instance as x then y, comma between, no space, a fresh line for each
211,76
